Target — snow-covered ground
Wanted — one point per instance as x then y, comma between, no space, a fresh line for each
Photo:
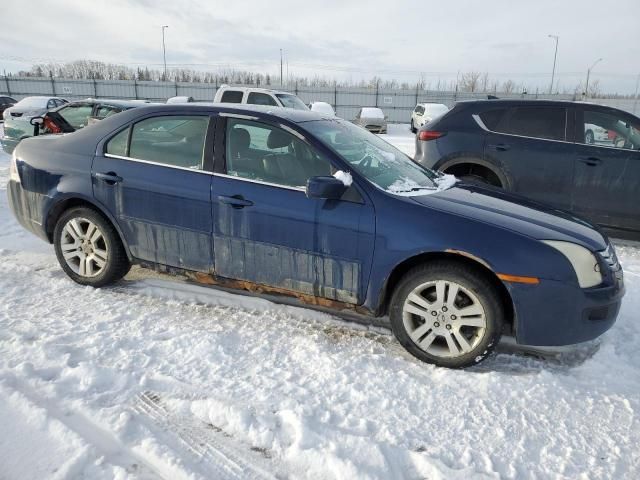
157,378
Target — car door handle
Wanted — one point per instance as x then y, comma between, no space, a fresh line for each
110,177
235,201
501,147
591,161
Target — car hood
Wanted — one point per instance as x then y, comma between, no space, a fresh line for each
515,213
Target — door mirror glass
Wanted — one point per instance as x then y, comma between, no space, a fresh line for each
328,188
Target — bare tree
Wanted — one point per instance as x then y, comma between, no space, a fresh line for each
470,81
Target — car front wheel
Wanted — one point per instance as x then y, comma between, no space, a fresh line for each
88,248
447,314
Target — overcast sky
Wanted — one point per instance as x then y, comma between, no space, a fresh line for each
338,38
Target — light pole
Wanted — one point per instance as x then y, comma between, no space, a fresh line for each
586,87
555,55
164,53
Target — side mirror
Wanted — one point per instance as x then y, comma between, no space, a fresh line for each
329,188
36,121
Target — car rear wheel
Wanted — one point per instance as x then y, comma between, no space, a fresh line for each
89,249
447,314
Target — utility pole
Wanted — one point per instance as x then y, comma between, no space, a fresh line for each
280,67
164,53
555,56
635,101
586,87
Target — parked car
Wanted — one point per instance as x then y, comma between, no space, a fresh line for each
66,119
595,134
258,96
540,149
290,203
6,102
323,108
17,118
372,118
424,113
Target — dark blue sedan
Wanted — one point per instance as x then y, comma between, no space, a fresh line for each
315,209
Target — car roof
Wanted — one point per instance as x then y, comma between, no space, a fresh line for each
290,114
518,101
254,89
113,102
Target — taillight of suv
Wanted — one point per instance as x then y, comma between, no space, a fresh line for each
427,135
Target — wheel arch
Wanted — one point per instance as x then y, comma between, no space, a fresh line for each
450,164
455,256
66,203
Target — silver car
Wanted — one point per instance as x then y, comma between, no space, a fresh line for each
373,119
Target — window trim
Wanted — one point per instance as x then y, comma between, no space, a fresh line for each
478,120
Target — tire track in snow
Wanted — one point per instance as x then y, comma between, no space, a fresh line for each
224,460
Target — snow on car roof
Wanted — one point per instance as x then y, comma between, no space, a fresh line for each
39,102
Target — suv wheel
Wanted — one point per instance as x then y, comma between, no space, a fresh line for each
447,314
88,248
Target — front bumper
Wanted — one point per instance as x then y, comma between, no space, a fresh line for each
554,313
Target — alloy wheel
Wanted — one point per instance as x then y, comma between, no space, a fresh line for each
84,247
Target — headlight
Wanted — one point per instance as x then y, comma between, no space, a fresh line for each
583,261
13,169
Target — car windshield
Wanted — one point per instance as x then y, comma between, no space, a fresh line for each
436,110
33,102
379,162
291,101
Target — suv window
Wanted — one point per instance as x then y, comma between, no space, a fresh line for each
76,115
51,104
262,152
539,122
419,109
257,98
607,129
232,96
172,140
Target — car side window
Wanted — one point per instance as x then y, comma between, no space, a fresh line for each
76,115
51,104
171,140
609,130
538,122
104,111
262,152
117,145
420,109
258,98
232,96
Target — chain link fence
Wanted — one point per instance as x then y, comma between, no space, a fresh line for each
397,103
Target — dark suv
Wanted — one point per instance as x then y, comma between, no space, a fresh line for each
575,156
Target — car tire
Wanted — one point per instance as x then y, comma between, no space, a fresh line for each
434,327
413,128
88,248
589,137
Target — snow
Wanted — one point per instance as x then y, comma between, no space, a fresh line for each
344,177
159,378
371,112
322,107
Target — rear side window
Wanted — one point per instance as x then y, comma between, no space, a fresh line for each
76,115
118,144
257,98
172,140
104,111
539,122
231,96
